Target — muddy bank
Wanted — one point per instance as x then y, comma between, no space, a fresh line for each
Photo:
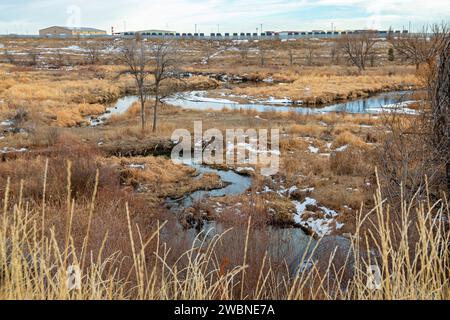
146,147
328,98
233,78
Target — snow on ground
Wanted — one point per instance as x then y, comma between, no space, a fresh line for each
313,149
245,169
321,224
252,147
74,48
401,107
7,123
206,59
273,101
12,150
136,166
240,41
342,149
200,96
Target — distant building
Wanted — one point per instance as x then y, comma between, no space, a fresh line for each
66,31
148,33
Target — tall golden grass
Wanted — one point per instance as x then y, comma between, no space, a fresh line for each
413,257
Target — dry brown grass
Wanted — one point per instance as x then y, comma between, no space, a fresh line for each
348,138
307,130
161,178
69,100
318,90
122,256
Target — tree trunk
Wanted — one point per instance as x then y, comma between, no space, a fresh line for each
448,176
441,109
155,111
142,98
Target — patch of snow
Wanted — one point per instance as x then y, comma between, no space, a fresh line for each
136,166
342,149
7,123
313,149
200,96
401,108
320,226
292,189
245,169
301,207
74,48
274,101
12,150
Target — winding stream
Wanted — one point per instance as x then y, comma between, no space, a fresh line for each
235,184
119,107
198,100
286,243
289,243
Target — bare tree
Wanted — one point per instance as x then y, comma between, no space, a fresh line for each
311,49
9,57
244,48
414,155
262,54
93,53
59,59
335,53
209,50
359,47
290,53
33,57
421,47
135,55
164,69
440,106
404,157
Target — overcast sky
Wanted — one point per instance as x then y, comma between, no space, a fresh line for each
28,16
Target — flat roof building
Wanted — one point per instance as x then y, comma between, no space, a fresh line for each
67,31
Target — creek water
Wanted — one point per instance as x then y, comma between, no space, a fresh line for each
383,102
388,101
290,243
235,184
285,243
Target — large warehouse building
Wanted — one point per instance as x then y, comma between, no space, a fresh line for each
66,31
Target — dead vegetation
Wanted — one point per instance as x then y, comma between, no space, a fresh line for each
101,192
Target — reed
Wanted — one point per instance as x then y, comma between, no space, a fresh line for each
411,251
